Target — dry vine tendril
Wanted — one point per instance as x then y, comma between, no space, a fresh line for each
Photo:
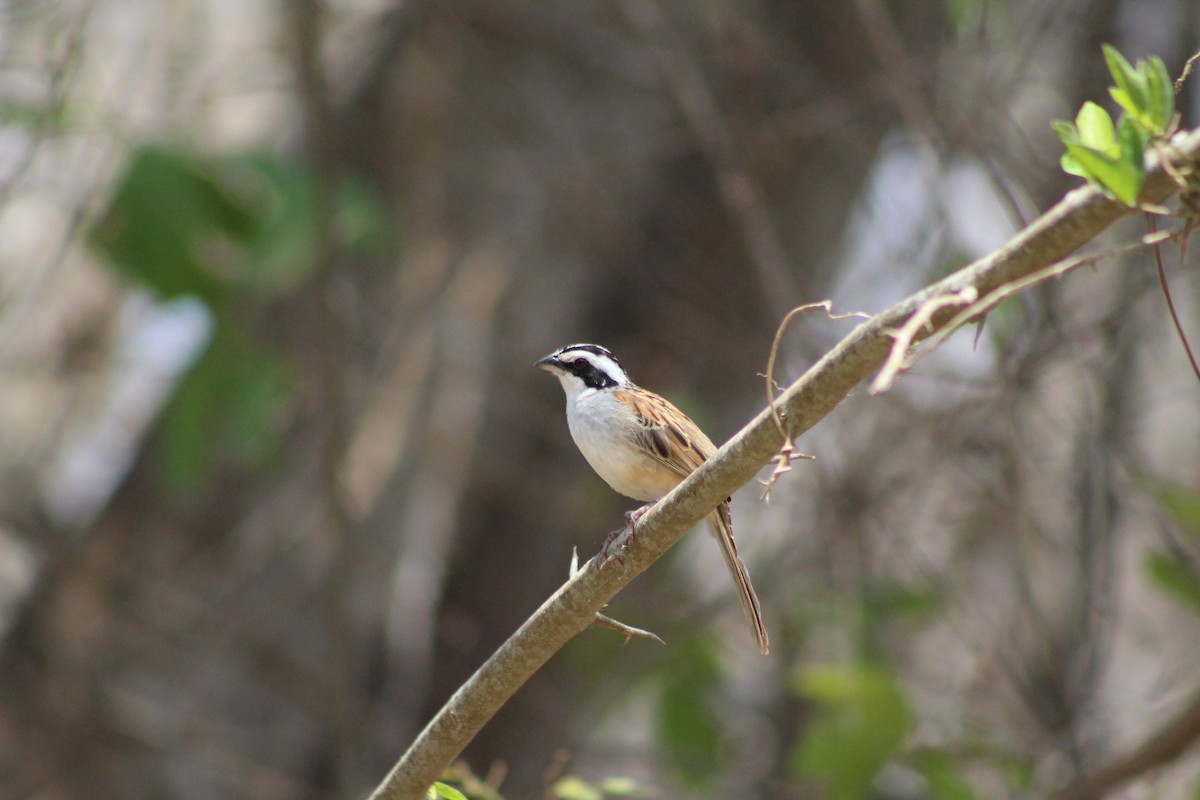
783,461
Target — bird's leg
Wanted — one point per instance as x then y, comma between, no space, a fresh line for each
632,517
631,520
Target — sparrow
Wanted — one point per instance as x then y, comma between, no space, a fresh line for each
642,446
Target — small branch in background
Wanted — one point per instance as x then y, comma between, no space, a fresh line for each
903,338
392,32
342,669
429,521
1152,224
742,196
608,622
627,630
1187,70
783,461
1162,747
889,48
1000,293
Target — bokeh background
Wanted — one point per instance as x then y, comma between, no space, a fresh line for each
277,472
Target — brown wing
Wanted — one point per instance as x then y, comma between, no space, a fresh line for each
669,437
666,434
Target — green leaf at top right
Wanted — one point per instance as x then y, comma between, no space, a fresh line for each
444,791
1145,91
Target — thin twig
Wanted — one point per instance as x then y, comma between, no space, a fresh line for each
343,669
741,195
608,622
770,373
1166,290
1187,70
903,338
1000,293
888,44
628,630
783,461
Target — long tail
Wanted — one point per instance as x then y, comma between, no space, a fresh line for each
721,525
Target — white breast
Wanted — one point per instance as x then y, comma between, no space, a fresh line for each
603,430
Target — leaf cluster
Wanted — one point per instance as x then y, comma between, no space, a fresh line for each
1113,157
1175,570
233,233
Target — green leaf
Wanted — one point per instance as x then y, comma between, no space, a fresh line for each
1182,504
1145,91
687,724
1132,94
29,113
179,223
943,778
228,408
165,208
1175,577
1161,92
1095,128
861,720
896,600
446,791
282,254
1066,131
573,788
1069,135
1132,139
1122,99
1073,167
1120,178
621,787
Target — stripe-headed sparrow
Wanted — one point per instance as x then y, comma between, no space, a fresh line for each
642,446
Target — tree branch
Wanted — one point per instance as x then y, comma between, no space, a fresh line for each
1163,746
1076,219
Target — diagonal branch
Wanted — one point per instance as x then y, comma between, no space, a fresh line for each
1076,219
1171,741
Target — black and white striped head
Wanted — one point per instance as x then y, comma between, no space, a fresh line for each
585,366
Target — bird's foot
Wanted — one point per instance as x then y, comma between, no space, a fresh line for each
606,549
631,520
632,517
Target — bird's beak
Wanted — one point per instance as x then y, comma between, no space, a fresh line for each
549,363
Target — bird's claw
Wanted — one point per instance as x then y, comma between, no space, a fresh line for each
631,521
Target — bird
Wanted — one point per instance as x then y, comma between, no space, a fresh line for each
643,447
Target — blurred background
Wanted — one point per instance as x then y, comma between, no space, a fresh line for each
278,475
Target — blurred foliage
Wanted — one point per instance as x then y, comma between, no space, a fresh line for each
234,400
895,600
943,778
862,715
1181,503
468,784
689,728
861,720
229,231
1174,572
966,15
575,788
568,787
1176,576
